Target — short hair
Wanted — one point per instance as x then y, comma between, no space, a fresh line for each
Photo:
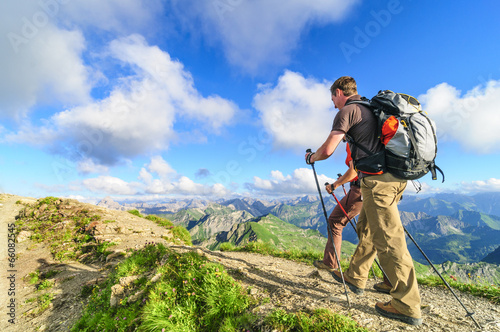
346,84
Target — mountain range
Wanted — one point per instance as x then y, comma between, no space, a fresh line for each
448,227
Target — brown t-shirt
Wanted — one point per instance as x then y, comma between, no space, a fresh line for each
358,122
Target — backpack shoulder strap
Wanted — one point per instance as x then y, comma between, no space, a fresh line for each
364,101
351,141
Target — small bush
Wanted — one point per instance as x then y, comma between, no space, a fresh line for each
182,234
227,246
135,213
160,221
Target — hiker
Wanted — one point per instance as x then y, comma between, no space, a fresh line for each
338,220
379,228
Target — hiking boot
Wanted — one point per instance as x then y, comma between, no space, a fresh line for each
337,276
382,287
387,310
322,266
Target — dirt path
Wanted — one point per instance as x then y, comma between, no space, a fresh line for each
296,286
289,285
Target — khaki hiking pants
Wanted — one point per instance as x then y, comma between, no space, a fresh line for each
381,233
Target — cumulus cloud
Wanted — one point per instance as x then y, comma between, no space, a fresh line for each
110,185
259,32
472,118
156,178
160,178
297,111
490,185
42,53
159,166
87,166
300,182
139,114
39,62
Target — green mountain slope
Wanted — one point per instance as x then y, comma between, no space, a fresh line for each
278,233
203,223
493,257
272,230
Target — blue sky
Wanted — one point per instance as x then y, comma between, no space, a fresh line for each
157,99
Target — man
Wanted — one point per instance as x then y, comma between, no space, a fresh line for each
379,227
351,203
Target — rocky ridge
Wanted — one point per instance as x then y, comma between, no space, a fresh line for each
289,285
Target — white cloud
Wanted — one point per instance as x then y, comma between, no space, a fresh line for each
490,185
158,177
139,114
87,166
472,119
184,186
159,166
110,185
119,16
297,111
40,62
300,182
259,32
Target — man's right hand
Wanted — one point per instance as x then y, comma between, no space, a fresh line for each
308,158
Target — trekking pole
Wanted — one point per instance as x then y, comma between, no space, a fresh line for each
354,226
469,314
338,176
330,232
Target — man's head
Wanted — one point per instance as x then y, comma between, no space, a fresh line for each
342,89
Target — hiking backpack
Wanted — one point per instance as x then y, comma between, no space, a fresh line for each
408,134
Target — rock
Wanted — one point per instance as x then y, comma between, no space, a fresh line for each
136,296
314,274
23,236
125,281
116,292
156,277
116,253
117,289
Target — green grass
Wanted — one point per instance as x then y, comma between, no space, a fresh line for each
190,294
135,213
474,287
319,320
46,284
42,303
160,221
33,277
59,224
181,234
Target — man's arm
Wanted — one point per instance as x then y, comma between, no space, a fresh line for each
346,177
327,149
